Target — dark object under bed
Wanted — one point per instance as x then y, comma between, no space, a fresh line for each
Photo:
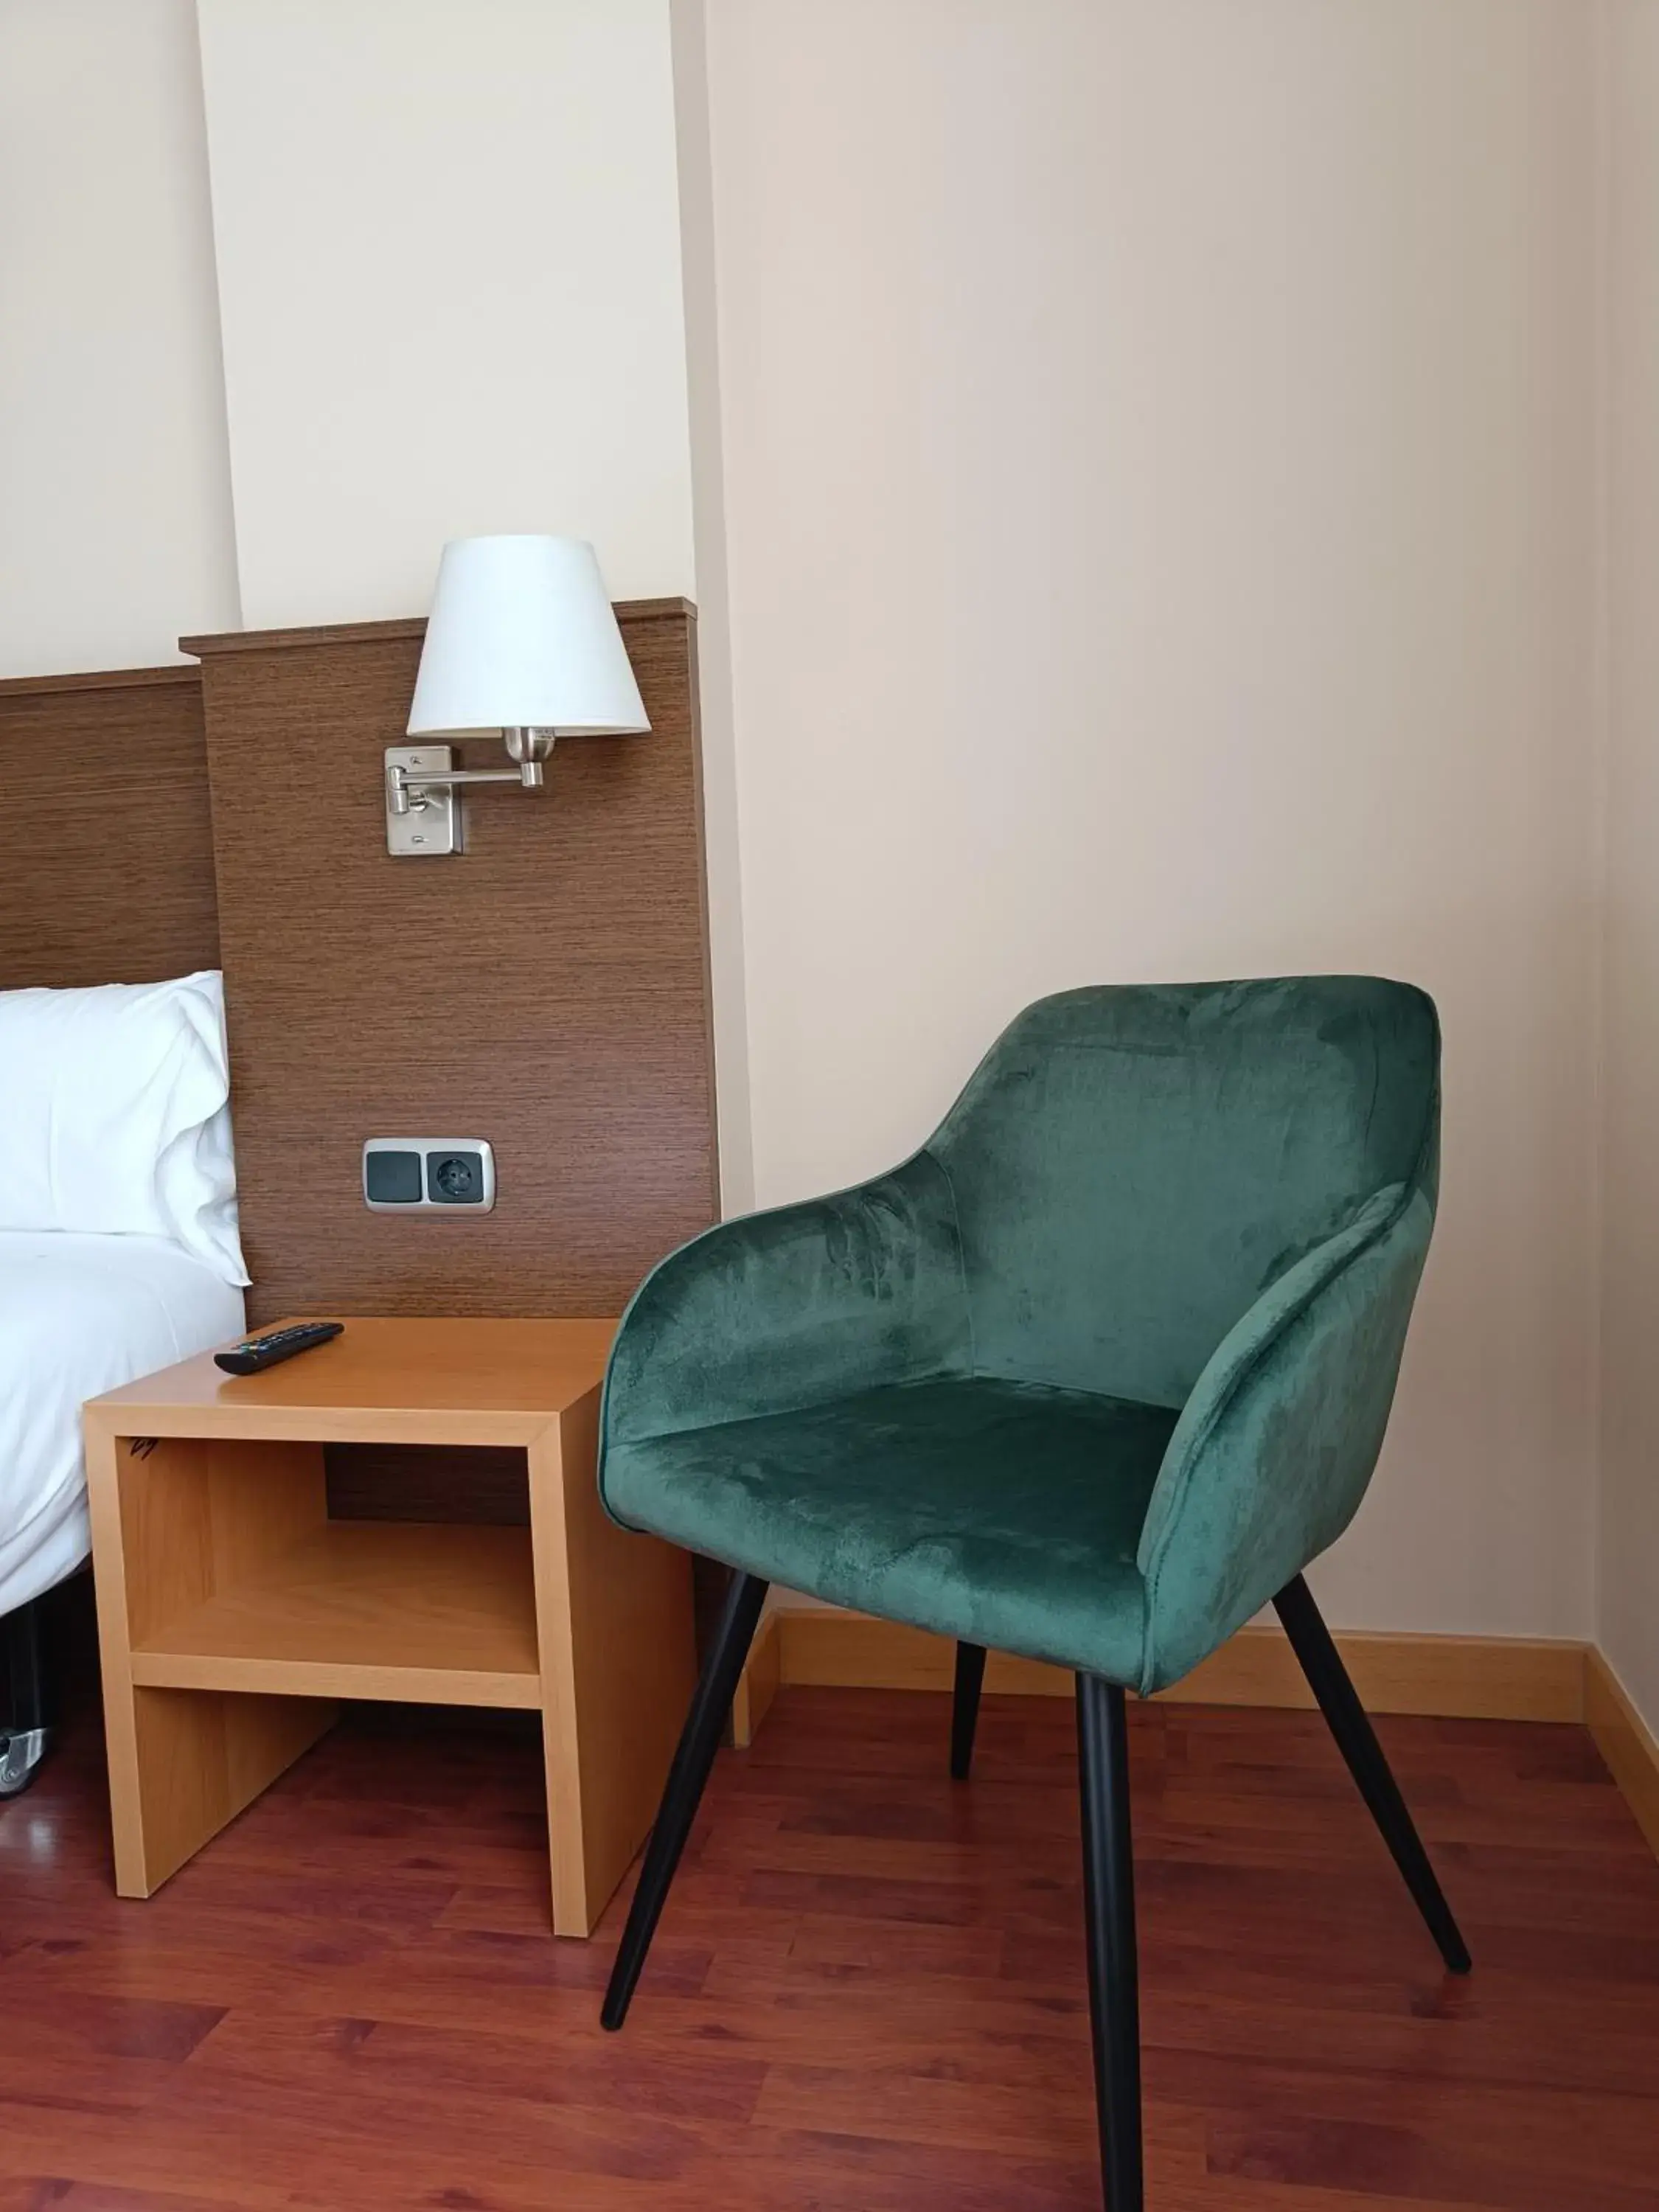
23,1730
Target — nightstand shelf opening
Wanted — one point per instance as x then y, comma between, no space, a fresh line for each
365,1609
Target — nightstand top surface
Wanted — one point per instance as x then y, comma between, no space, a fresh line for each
394,1381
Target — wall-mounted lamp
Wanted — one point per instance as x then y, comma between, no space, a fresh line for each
521,639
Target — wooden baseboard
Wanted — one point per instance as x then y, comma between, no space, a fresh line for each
1625,1740
1464,1677
758,1683
1455,1677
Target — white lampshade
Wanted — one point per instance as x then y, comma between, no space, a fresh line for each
522,636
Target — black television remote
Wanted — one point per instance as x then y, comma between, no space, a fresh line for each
256,1354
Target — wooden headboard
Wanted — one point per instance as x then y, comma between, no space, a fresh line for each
107,873
547,989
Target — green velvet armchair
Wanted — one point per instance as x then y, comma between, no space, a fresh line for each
1091,1377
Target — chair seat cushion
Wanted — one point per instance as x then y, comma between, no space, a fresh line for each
1007,1513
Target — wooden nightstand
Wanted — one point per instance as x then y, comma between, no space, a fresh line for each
232,1611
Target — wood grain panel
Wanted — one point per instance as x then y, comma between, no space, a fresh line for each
108,871
482,1484
547,989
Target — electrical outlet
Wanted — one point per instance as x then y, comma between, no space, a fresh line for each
405,1174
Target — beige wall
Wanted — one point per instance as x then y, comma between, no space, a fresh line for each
1158,441
114,492
1629,1551
448,255
723,854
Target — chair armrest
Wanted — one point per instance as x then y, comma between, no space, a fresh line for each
786,1308
1274,1448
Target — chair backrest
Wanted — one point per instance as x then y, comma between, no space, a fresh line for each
1132,1166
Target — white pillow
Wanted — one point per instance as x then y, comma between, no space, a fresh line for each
115,1116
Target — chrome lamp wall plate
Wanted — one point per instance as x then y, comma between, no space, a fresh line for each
429,819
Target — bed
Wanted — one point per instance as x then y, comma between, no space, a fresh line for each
80,1314
119,1253
88,898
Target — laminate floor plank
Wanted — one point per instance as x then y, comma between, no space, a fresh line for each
867,1992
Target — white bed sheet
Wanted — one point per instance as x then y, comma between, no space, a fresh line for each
78,1315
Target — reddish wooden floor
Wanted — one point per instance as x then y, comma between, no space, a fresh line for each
867,1994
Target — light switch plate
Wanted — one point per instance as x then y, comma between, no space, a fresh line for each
456,1174
434,826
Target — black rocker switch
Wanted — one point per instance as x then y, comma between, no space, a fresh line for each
392,1178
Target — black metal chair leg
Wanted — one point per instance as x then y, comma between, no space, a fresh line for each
1108,1895
1356,1739
964,1707
699,1741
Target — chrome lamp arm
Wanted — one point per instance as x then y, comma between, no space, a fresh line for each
406,787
